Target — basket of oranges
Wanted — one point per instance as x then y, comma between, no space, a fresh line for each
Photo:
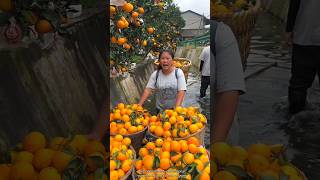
122,157
171,159
179,123
129,121
182,63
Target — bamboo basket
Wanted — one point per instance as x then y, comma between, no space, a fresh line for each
185,68
136,138
242,24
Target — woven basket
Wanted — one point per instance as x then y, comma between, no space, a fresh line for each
242,25
126,176
136,138
184,68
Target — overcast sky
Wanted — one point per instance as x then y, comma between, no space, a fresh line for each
199,6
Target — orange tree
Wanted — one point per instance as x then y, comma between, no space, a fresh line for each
140,26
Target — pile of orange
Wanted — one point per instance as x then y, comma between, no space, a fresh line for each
128,119
223,8
178,123
121,158
38,158
173,160
259,161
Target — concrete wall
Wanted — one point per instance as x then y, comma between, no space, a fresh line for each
277,8
55,91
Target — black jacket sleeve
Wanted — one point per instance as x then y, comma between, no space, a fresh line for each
201,65
292,14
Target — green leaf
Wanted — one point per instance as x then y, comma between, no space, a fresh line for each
118,162
156,162
238,171
197,156
115,155
173,153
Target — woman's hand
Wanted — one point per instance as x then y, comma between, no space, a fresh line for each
180,97
145,95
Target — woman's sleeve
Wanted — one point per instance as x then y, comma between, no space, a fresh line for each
152,80
182,85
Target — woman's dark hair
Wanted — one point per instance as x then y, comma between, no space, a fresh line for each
163,51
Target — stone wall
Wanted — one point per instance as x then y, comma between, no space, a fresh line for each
277,8
54,91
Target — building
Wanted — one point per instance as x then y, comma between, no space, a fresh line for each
194,24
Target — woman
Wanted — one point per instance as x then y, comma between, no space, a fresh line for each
169,83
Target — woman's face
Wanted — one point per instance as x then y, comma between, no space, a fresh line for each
166,61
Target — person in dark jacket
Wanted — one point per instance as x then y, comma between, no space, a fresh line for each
303,26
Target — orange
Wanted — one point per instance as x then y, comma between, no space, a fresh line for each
43,26
200,125
193,128
164,163
164,154
175,146
138,164
260,149
204,159
159,142
150,30
5,171
120,106
22,171
145,122
150,146
180,118
206,176
78,143
123,131
112,10
120,125
94,147
126,46
126,165
49,173
148,162
123,111
193,140
43,158
129,111
166,146
113,165
127,125
166,126
158,131
113,40
57,143
140,10
121,156
144,43
114,175
127,7
175,133
134,14
121,173
166,134
24,156
153,118
188,158
173,119
140,128
176,157
60,160
126,141
200,165
118,138
193,148
220,175
117,116
34,141
133,129
143,152
169,112
184,145
121,41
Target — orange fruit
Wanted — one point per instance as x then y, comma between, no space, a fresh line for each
123,111
164,163
175,133
158,131
169,112
200,125
129,111
121,41
206,176
24,156
127,7
49,173
166,134
43,26
140,10
150,30
175,146
117,116
112,10
121,106
126,141
150,146
5,171
159,142
180,118
176,157
126,46
43,158
166,126
193,128
127,125
22,171
144,43
188,158
153,118
126,165
184,145
164,154
113,165
60,160
34,141
193,148
140,128
113,40
143,152
134,14
260,149
57,143
199,163
204,159
118,138
148,162
121,156
138,164
166,146
123,131
173,119
193,140
114,175
94,147
78,143
121,173
133,129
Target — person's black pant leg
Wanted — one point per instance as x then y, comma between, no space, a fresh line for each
205,82
303,71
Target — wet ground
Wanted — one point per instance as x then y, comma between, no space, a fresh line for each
263,109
